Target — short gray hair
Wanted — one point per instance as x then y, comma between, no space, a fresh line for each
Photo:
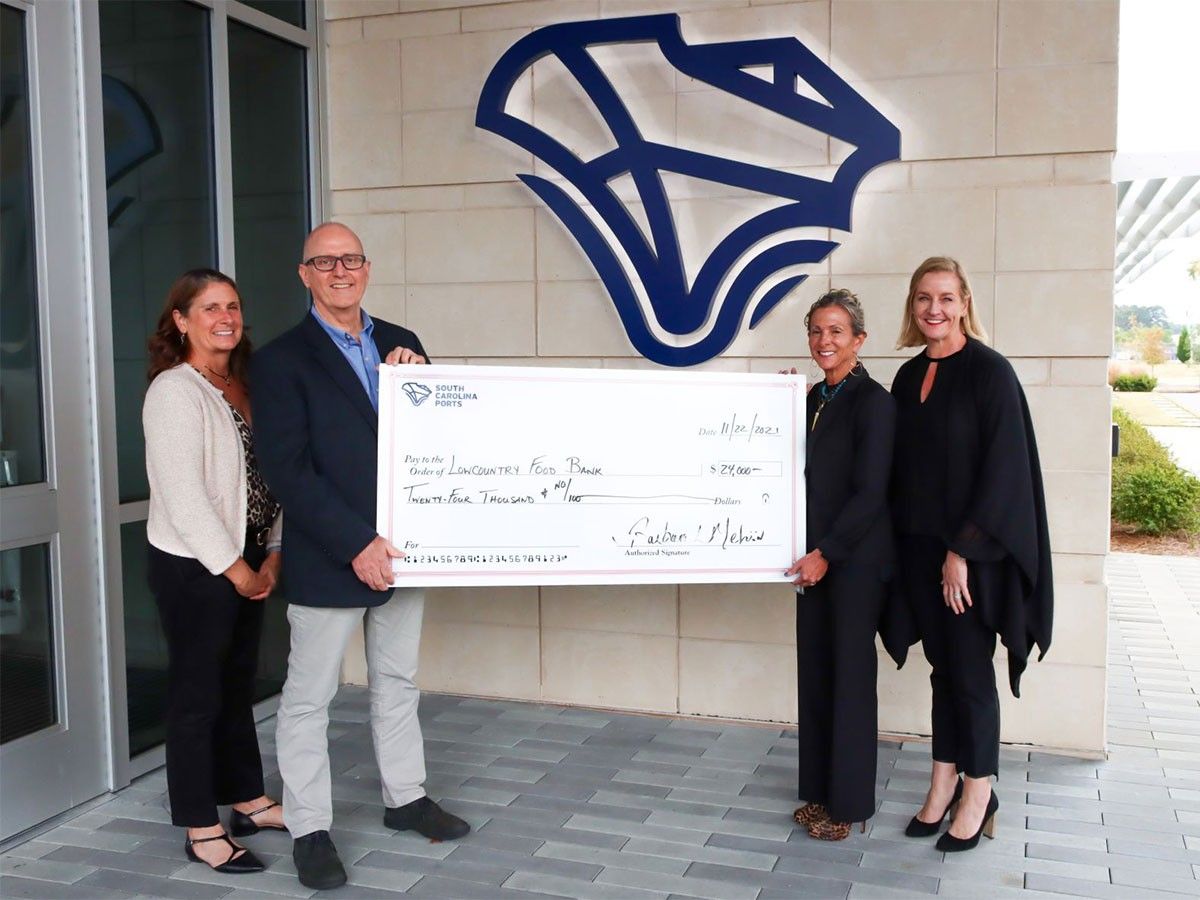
843,299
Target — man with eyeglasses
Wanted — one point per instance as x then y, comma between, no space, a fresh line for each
315,393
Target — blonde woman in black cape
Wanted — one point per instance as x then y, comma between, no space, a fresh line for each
974,550
843,575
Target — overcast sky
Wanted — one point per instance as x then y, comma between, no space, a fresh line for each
1157,109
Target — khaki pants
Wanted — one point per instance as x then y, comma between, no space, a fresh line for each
318,642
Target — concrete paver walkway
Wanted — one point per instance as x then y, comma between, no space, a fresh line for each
586,804
1184,444
1172,418
1160,409
1176,409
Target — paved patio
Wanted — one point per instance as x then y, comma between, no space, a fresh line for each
582,804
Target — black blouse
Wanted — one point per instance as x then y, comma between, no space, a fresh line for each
923,448
847,470
992,506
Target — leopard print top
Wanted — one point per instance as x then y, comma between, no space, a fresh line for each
261,507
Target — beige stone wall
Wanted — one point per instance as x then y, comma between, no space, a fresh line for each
1008,115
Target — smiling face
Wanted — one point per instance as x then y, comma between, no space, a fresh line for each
832,342
938,307
337,294
212,323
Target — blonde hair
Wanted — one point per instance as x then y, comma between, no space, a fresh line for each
910,334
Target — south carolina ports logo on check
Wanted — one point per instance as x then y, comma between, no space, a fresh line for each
443,394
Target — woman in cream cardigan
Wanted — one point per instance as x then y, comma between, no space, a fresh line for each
214,537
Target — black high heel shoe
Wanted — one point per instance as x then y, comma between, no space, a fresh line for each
918,829
947,843
242,824
239,862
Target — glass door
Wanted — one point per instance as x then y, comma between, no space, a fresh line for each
54,744
206,111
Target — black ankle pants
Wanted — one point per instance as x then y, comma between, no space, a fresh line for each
838,713
212,637
966,706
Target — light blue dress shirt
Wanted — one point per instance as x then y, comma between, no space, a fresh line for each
359,351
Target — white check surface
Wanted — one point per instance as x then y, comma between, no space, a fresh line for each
507,476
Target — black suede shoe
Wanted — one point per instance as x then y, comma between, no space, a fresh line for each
948,843
918,829
317,863
425,817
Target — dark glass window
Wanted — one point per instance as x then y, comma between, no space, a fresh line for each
290,11
268,134
27,701
269,148
145,646
158,158
159,170
22,445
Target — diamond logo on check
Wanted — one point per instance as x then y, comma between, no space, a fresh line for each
416,392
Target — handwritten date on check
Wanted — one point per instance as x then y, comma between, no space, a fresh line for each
523,476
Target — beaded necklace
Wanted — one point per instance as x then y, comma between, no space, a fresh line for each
824,394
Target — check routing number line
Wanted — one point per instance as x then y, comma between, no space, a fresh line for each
508,573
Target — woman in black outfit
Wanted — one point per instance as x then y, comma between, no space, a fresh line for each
974,551
842,577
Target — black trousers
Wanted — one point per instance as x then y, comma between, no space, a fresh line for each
966,706
212,648
836,665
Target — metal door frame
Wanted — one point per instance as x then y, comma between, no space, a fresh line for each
67,763
123,768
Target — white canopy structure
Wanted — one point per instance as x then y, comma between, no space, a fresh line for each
1151,213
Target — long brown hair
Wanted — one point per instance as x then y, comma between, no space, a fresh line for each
910,334
167,346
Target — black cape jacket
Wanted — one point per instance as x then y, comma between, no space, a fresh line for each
994,498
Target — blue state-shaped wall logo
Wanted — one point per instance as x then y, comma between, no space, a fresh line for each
743,264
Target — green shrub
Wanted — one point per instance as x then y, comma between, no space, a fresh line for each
1138,446
1135,383
1157,498
1149,491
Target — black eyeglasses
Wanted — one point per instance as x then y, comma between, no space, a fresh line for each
329,263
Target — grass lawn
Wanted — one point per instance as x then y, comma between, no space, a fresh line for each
1142,408
1177,376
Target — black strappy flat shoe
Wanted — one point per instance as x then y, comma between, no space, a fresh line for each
242,824
240,861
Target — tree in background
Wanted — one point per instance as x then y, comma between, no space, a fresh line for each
1145,316
1148,346
1185,335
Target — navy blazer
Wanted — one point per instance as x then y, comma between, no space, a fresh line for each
847,469
315,436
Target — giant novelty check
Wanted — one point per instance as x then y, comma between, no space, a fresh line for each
508,476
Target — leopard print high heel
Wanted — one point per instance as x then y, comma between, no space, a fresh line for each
830,830
810,814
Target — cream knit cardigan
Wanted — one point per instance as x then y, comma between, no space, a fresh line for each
197,471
